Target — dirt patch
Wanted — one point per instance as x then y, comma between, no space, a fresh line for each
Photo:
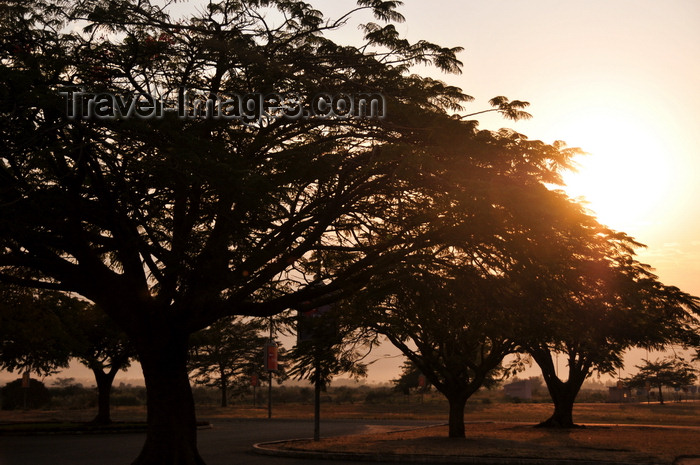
613,443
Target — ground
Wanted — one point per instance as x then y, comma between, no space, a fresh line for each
613,443
496,429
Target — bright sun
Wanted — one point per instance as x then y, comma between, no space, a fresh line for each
624,178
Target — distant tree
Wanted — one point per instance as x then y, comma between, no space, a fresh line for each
226,352
328,344
41,331
32,337
100,345
409,379
670,372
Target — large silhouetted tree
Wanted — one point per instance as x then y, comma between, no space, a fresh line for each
172,222
458,314
591,301
455,329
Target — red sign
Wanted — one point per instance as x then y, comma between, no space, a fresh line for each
270,357
421,381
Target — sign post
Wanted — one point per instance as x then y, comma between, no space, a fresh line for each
307,330
254,381
270,366
25,388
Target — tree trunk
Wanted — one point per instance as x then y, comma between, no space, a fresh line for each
104,389
563,416
171,437
224,389
456,419
563,394
661,396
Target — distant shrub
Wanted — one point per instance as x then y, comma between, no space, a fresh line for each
72,396
14,396
119,399
379,395
345,395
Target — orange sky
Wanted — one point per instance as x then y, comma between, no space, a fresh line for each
618,78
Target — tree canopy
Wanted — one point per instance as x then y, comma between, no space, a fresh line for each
669,372
172,222
591,301
32,336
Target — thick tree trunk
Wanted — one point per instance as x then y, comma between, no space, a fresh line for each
104,389
563,394
661,396
563,416
456,419
171,438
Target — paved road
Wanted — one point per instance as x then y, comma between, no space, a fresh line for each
228,442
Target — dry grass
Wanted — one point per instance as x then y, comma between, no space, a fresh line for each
623,443
672,413
683,413
122,414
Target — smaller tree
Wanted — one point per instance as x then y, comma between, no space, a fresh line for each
410,379
40,331
454,327
670,372
32,337
225,352
100,345
328,344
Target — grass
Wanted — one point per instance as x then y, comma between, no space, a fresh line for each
675,413
67,427
431,409
616,443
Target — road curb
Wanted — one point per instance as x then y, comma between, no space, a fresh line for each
263,448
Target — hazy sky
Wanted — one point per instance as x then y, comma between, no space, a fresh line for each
620,79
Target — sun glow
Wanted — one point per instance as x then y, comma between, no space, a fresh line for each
625,177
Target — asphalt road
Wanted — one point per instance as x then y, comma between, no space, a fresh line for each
228,442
